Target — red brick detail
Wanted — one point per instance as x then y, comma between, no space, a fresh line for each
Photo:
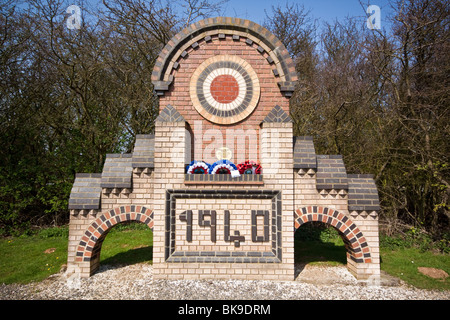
213,27
224,89
179,97
354,240
90,244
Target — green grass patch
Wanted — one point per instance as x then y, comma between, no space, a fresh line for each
34,258
404,263
31,258
316,244
128,244
400,257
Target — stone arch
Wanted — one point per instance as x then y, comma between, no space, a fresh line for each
357,248
89,247
203,32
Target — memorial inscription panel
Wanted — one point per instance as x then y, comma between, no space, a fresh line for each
223,226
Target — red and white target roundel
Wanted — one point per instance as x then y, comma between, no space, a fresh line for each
225,89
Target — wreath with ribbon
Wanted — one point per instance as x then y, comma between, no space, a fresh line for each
222,167
198,167
249,167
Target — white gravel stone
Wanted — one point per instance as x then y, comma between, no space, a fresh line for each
135,282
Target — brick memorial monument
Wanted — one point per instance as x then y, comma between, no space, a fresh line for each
223,183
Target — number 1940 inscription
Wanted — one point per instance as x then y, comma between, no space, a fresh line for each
187,216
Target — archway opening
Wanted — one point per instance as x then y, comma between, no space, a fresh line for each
317,243
357,250
126,243
90,245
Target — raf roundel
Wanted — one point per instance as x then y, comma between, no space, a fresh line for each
225,89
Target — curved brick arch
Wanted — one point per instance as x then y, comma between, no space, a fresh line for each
202,32
355,243
89,247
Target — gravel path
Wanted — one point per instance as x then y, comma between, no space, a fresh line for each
136,282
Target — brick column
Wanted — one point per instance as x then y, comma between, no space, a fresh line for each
277,163
84,205
364,205
170,139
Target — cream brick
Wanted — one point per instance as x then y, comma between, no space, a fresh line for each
275,152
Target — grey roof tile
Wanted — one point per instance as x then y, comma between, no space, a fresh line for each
304,153
169,114
86,192
362,193
277,114
331,173
117,171
144,151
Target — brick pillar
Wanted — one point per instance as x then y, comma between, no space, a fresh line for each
84,204
170,139
277,163
364,205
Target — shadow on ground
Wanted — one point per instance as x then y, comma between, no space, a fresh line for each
132,256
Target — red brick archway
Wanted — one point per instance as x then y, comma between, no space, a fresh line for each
89,247
355,243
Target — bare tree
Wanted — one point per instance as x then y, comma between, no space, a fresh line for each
296,29
199,9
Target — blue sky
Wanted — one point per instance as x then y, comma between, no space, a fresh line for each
324,10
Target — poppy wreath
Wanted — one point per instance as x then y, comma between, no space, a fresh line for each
222,167
249,167
198,167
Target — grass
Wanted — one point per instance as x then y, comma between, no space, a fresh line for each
24,259
403,263
319,247
128,244
400,257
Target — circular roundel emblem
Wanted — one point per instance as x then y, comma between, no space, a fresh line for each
225,89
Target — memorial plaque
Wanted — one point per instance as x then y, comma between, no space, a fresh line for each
225,89
229,226
222,181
